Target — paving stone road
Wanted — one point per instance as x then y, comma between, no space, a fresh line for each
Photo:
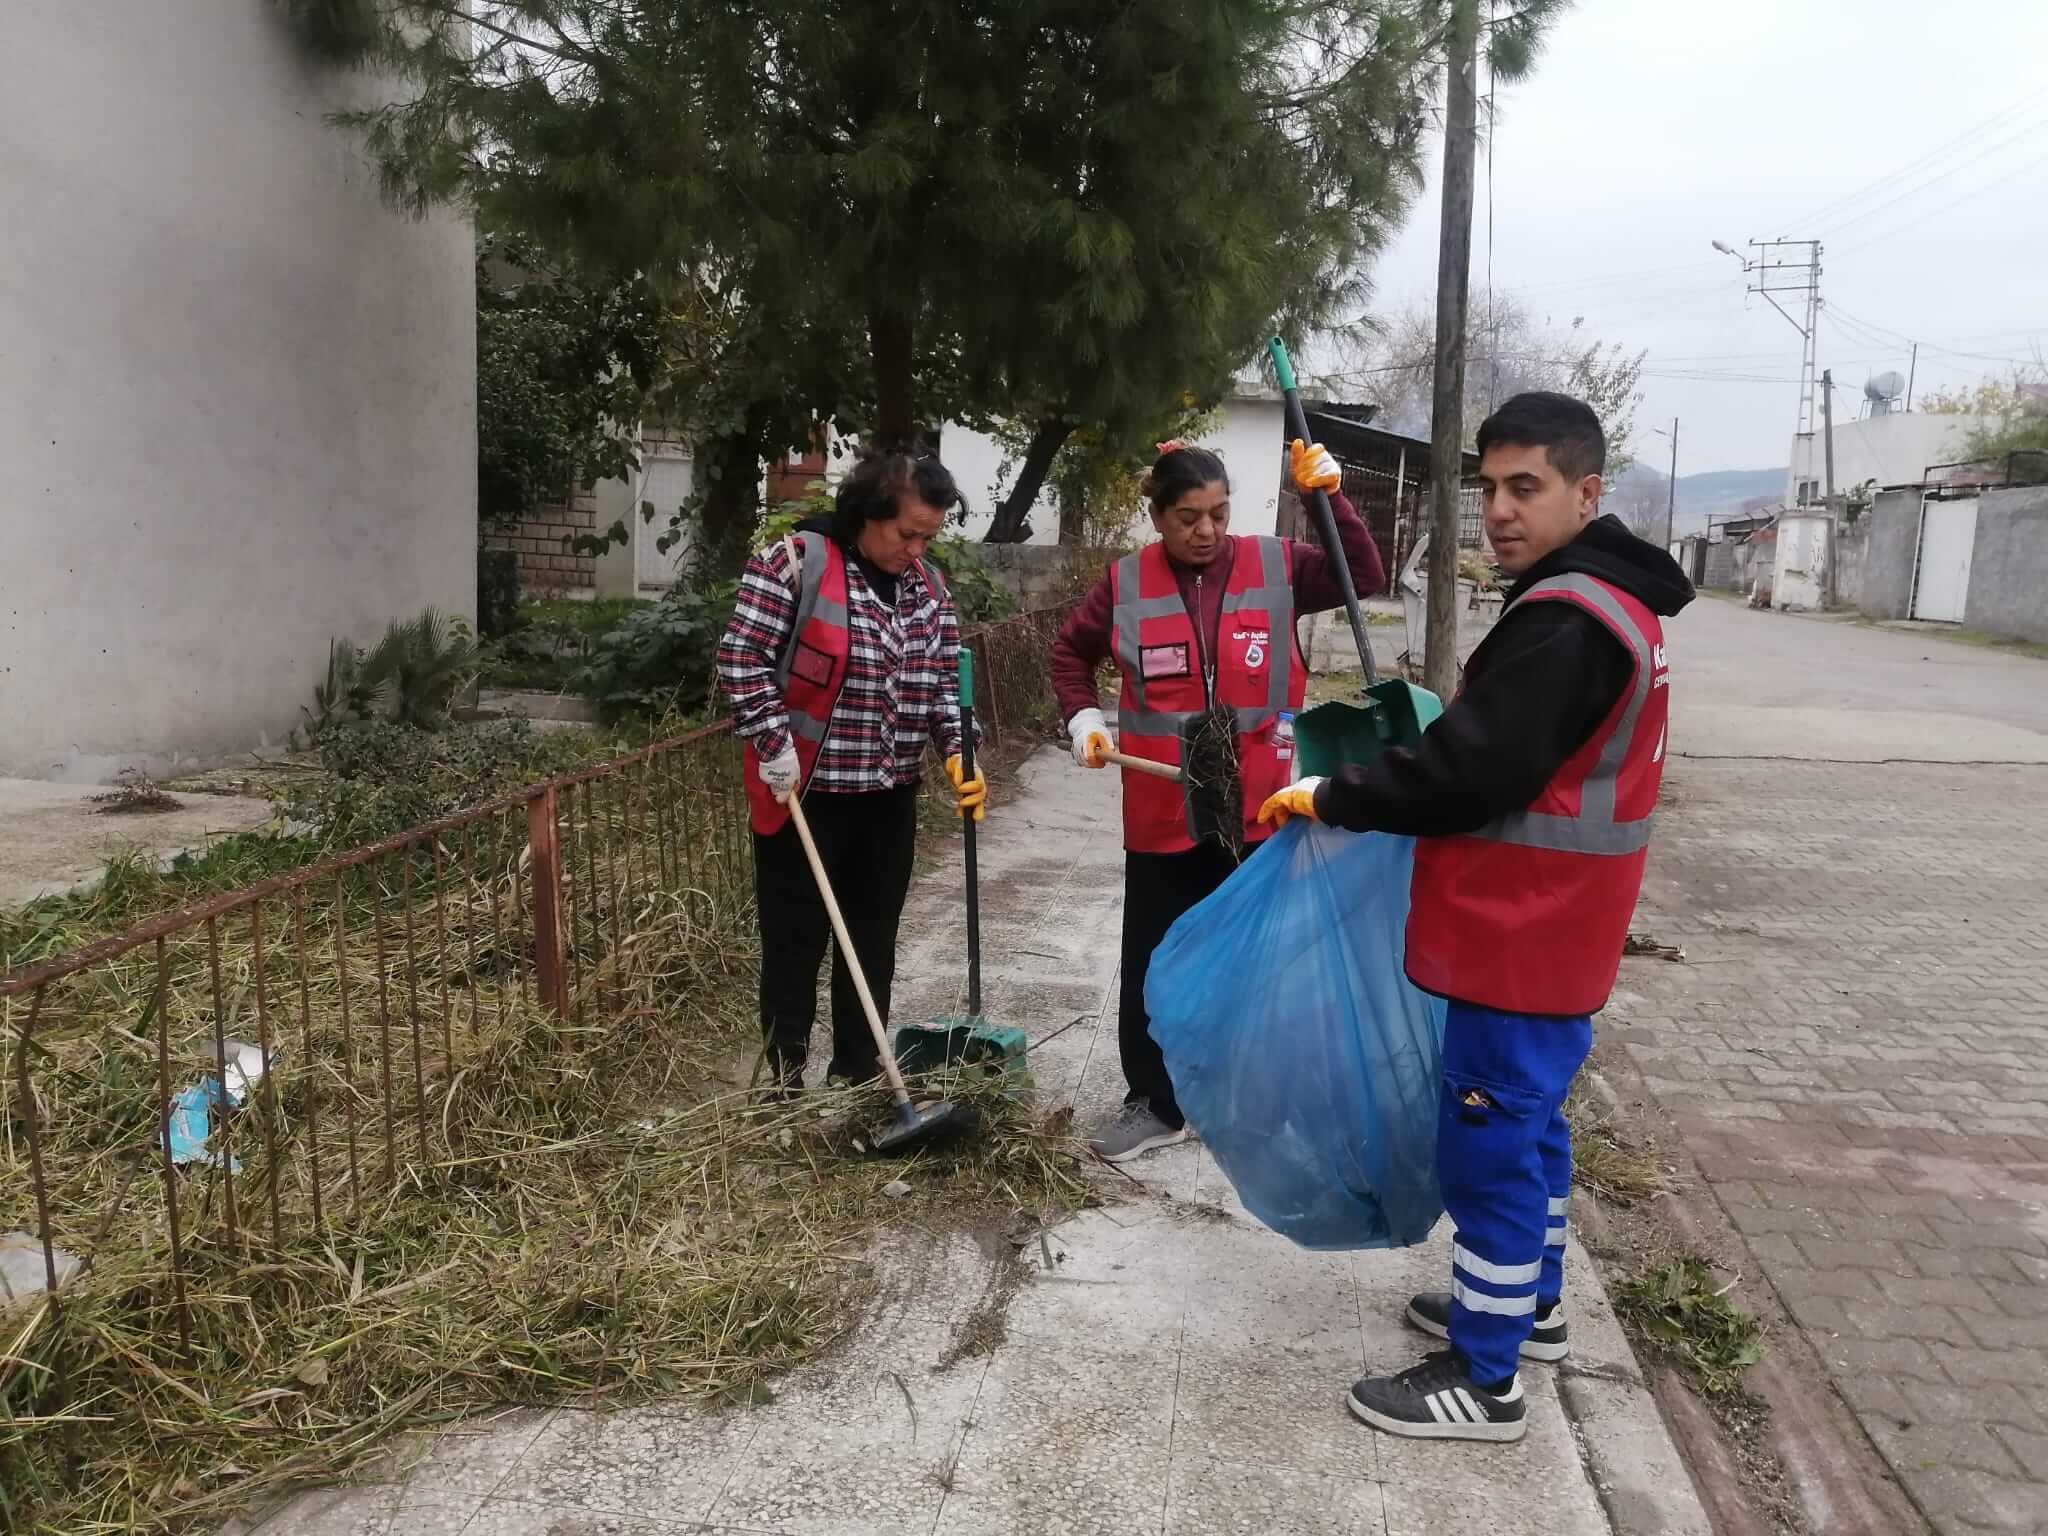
1852,855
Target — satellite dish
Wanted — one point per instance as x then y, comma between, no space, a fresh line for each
1883,393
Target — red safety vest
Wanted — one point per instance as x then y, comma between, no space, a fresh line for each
1259,672
1529,913
813,669
809,674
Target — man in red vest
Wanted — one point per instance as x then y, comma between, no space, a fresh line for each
1530,800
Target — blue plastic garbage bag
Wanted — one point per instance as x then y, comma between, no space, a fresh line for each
1298,1048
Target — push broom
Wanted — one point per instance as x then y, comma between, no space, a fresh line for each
913,1125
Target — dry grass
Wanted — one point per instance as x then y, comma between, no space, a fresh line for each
1606,1158
578,1212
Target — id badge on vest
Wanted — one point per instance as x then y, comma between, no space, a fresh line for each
1158,663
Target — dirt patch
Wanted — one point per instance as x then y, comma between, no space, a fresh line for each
985,1328
52,836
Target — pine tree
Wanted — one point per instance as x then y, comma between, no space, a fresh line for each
1053,210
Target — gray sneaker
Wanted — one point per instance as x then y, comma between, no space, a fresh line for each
1135,1130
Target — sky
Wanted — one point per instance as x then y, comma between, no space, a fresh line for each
1904,136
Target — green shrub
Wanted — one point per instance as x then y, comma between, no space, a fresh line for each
382,777
658,659
411,676
550,640
977,594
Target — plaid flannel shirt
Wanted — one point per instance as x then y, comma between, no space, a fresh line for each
902,681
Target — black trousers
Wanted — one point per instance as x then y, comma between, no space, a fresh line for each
1158,888
868,843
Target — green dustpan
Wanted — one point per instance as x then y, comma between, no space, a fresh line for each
968,1038
1395,713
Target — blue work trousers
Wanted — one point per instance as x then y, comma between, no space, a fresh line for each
1504,1156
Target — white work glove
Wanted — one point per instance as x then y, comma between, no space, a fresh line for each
781,773
1090,735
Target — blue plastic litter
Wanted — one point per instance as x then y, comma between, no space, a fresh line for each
191,1123
1298,1049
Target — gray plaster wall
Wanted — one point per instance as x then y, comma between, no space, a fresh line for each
2009,565
1886,586
239,393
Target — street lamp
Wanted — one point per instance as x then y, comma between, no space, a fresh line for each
1671,499
1727,250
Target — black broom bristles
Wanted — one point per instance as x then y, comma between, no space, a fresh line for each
1209,768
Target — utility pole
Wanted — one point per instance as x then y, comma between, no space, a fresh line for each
1453,291
1912,369
1791,267
1671,500
1827,421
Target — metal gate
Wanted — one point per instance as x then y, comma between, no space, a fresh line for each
1941,577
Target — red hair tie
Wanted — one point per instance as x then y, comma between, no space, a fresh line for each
1171,445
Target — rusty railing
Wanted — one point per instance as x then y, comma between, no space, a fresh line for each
275,1058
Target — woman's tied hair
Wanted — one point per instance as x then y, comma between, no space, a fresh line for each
1180,469
879,480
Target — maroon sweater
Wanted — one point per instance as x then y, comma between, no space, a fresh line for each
1083,643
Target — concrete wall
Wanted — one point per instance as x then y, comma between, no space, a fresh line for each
1040,575
1892,450
1799,580
1852,549
1894,522
2009,565
239,394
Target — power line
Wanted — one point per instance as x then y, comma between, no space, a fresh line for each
1962,197
1891,178
1940,176
1845,319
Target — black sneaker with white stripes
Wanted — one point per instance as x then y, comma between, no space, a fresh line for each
1431,1312
1437,1400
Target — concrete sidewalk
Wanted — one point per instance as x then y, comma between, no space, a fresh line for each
1165,1363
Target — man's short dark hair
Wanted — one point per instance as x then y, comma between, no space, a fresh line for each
1563,427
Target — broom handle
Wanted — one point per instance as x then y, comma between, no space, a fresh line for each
967,824
846,950
1326,518
1143,765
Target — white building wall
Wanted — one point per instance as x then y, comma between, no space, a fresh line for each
1892,450
239,394
1247,435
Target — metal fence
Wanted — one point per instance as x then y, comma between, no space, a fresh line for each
238,1073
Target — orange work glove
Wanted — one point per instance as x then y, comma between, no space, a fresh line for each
1312,467
1295,800
972,794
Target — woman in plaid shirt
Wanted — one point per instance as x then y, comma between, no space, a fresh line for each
841,663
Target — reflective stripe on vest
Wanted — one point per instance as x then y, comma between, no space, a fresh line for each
810,604
1595,830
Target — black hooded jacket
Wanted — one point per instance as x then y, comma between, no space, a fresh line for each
1552,673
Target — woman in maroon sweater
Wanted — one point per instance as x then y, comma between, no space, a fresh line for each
1167,869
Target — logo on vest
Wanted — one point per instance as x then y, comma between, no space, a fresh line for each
1255,642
